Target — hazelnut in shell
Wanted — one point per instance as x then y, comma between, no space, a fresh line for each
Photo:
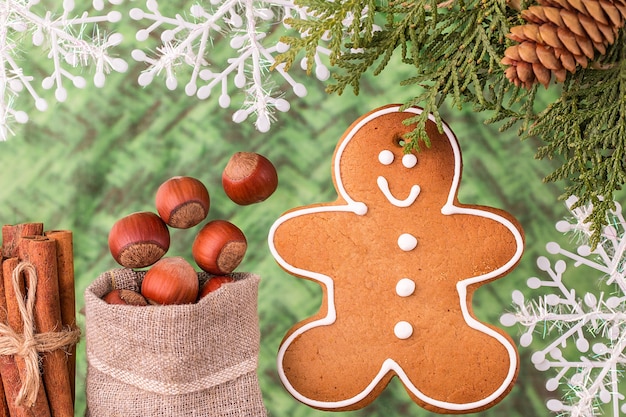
139,239
213,284
125,297
171,281
182,202
249,178
219,247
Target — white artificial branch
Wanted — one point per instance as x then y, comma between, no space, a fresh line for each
593,376
63,37
244,30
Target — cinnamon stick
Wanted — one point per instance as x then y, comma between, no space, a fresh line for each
12,233
42,254
4,407
40,408
8,369
10,241
67,292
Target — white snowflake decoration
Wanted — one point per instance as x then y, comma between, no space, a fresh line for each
189,40
68,47
589,346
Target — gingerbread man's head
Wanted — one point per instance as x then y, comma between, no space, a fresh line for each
371,155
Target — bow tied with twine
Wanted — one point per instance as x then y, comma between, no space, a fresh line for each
29,344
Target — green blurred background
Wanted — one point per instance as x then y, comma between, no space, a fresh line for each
85,163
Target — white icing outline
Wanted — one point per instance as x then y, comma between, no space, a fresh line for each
383,185
389,365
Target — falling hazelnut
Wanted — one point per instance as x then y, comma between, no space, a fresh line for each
139,239
171,281
219,247
249,178
125,297
182,202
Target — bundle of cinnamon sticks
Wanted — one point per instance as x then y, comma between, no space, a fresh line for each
38,322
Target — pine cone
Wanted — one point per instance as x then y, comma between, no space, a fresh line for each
559,36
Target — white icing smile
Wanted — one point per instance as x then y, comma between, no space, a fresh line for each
383,184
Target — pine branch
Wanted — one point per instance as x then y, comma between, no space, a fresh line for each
587,126
324,20
361,54
455,50
460,63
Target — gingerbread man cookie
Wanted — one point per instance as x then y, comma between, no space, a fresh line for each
398,259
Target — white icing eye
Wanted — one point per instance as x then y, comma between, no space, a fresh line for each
385,157
409,160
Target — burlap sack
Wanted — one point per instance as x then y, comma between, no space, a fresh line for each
185,360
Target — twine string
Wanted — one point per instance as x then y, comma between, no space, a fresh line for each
29,344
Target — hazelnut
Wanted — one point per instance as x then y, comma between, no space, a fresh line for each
213,284
125,297
139,239
171,281
249,178
182,202
219,247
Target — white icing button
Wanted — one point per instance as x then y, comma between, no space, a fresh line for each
385,157
407,242
409,160
405,287
403,330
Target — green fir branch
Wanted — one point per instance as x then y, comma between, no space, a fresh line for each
359,57
460,63
587,127
327,22
455,48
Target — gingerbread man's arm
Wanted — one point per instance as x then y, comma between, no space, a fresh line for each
495,242
317,234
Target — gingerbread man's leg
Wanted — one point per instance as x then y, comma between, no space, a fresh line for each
465,385
339,375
